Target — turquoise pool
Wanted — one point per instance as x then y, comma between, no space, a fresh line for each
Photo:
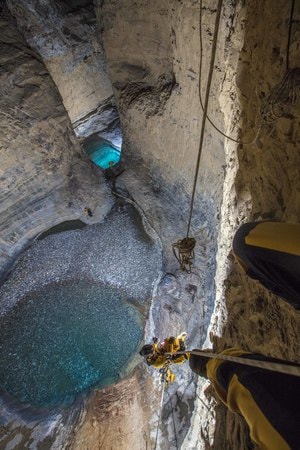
65,339
102,153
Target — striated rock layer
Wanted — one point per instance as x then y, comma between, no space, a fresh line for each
153,54
262,182
154,71
45,177
64,35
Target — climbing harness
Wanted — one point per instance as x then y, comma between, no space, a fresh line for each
164,355
184,253
165,373
288,369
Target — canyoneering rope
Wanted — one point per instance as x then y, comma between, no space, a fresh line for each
201,101
205,108
159,415
268,104
173,419
184,248
288,368
285,92
289,36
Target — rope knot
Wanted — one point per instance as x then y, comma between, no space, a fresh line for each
184,253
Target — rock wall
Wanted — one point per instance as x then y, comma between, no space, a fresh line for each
45,177
64,35
153,57
160,113
261,182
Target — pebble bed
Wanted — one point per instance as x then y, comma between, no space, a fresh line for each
117,252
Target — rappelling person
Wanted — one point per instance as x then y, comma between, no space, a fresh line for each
270,253
162,355
268,400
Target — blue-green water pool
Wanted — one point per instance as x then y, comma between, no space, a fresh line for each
103,154
65,339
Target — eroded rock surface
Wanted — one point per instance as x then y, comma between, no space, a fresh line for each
250,61
153,56
262,182
64,35
118,417
154,75
45,177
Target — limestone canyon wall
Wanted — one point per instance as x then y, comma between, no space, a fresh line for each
45,176
160,114
262,182
64,35
56,85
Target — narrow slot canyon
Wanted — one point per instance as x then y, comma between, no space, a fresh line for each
127,125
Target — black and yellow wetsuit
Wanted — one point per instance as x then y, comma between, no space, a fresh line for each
270,253
160,357
268,401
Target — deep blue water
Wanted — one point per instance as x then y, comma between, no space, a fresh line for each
65,339
102,154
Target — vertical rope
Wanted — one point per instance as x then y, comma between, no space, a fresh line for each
205,108
230,138
289,36
160,413
173,419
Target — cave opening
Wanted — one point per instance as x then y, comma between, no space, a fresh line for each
102,152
